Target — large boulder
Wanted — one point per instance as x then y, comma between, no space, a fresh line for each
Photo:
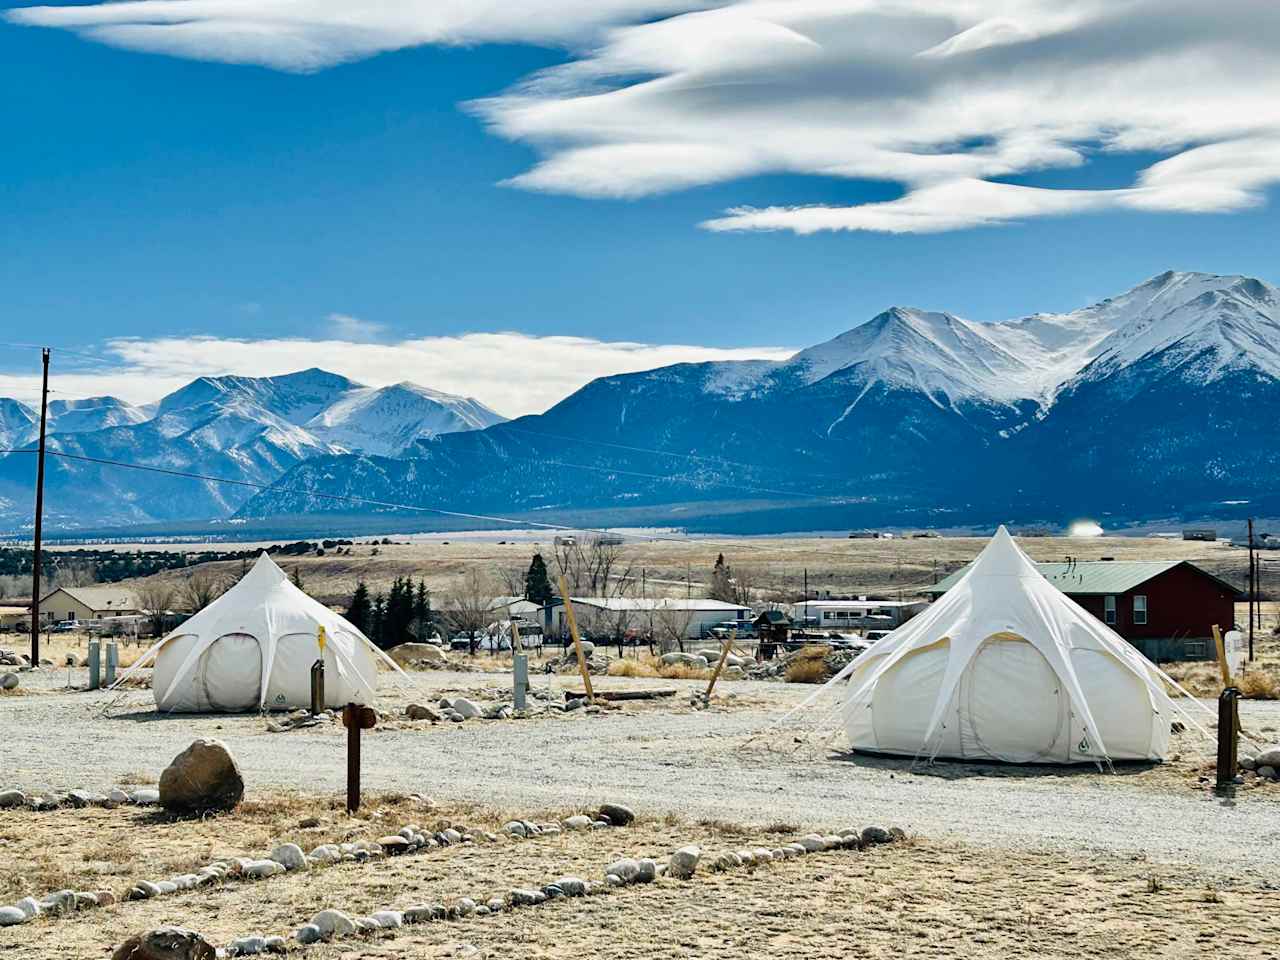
408,654
203,777
166,943
1269,757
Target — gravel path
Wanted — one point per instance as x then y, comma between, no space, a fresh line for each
695,764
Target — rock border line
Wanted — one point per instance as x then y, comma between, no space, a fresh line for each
289,857
682,864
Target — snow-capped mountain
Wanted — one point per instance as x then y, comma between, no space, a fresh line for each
249,430
1130,405
387,421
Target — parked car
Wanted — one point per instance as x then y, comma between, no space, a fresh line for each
66,626
873,635
743,629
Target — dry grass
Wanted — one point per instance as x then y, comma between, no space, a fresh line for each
1260,684
1260,681
650,666
807,665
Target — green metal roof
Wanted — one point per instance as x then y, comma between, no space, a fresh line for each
1091,576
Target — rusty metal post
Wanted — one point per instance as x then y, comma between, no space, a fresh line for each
355,718
1228,736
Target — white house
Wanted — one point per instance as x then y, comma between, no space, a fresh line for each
692,616
88,603
860,614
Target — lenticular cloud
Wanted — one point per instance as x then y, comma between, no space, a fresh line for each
956,103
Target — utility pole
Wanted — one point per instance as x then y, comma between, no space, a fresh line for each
35,553
1252,588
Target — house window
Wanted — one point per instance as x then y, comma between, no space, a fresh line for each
1109,610
1139,609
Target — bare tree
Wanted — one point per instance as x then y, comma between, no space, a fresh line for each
593,567
468,607
671,623
201,588
155,597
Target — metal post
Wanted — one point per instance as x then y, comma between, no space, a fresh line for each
317,687
39,519
520,679
95,664
1228,735
113,661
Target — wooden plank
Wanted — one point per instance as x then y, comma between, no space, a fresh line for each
724,653
615,695
577,641
1222,657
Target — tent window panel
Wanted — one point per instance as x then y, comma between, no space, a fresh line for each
1109,610
1139,609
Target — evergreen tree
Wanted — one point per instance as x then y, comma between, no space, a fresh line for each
297,577
378,621
422,611
360,610
537,585
721,585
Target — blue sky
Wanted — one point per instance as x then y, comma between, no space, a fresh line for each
152,196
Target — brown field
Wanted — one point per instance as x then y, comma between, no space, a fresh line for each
772,566
917,898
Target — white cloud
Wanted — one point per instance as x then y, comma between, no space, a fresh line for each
510,372
345,327
948,101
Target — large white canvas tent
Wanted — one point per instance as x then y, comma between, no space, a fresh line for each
1005,667
253,647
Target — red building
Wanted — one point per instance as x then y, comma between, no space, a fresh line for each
1165,608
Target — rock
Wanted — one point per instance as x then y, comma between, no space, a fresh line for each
333,923
613,880
394,845
260,869
1248,763
86,901
648,870
449,835
514,827
495,905
116,795
625,870
812,843
9,681
526,898
166,886
246,946
389,919
166,943
416,654
465,907
275,945
326,853
1267,772
290,856
143,890
732,673
29,907
422,914
105,897
467,708
419,711
874,835
588,648
145,797
576,822
12,916
745,857
12,798
64,901
1269,757
684,862
574,704
203,777
572,886
762,855
616,814
308,933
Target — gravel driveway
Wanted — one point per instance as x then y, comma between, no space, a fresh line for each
694,763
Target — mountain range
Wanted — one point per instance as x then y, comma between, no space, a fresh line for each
244,429
1163,401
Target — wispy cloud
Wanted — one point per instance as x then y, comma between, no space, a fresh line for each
345,327
948,101
511,372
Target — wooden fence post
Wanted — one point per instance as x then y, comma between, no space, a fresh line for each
577,641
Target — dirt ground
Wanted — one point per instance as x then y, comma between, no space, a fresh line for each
884,568
919,898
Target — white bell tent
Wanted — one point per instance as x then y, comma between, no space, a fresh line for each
253,648
1005,667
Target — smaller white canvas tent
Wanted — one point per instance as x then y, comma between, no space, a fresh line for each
1005,667
253,647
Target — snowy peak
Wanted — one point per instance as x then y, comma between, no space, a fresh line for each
387,421
17,422
297,397
93,413
936,353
